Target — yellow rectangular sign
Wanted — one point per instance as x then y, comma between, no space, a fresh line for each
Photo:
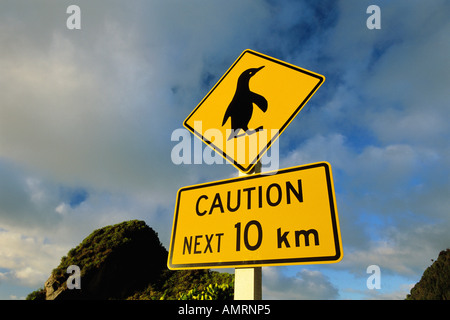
258,220
250,106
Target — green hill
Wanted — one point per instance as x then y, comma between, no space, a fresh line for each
127,261
435,281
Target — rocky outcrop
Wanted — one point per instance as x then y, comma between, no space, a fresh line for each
114,261
52,288
435,281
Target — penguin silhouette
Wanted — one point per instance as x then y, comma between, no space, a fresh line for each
240,109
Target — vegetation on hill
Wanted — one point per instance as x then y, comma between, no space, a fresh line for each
189,284
127,261
435,281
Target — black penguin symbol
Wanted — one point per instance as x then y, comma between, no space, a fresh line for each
240,108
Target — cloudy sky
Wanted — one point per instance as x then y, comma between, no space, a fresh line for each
86,118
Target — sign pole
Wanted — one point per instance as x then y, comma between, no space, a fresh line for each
248,281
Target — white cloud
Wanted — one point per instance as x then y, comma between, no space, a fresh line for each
331,148
305,285
29,259
62,208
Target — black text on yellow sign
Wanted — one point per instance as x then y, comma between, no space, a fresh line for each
259,220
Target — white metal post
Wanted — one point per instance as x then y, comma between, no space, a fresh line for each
248,281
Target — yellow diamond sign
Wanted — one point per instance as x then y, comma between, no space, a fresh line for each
250,106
